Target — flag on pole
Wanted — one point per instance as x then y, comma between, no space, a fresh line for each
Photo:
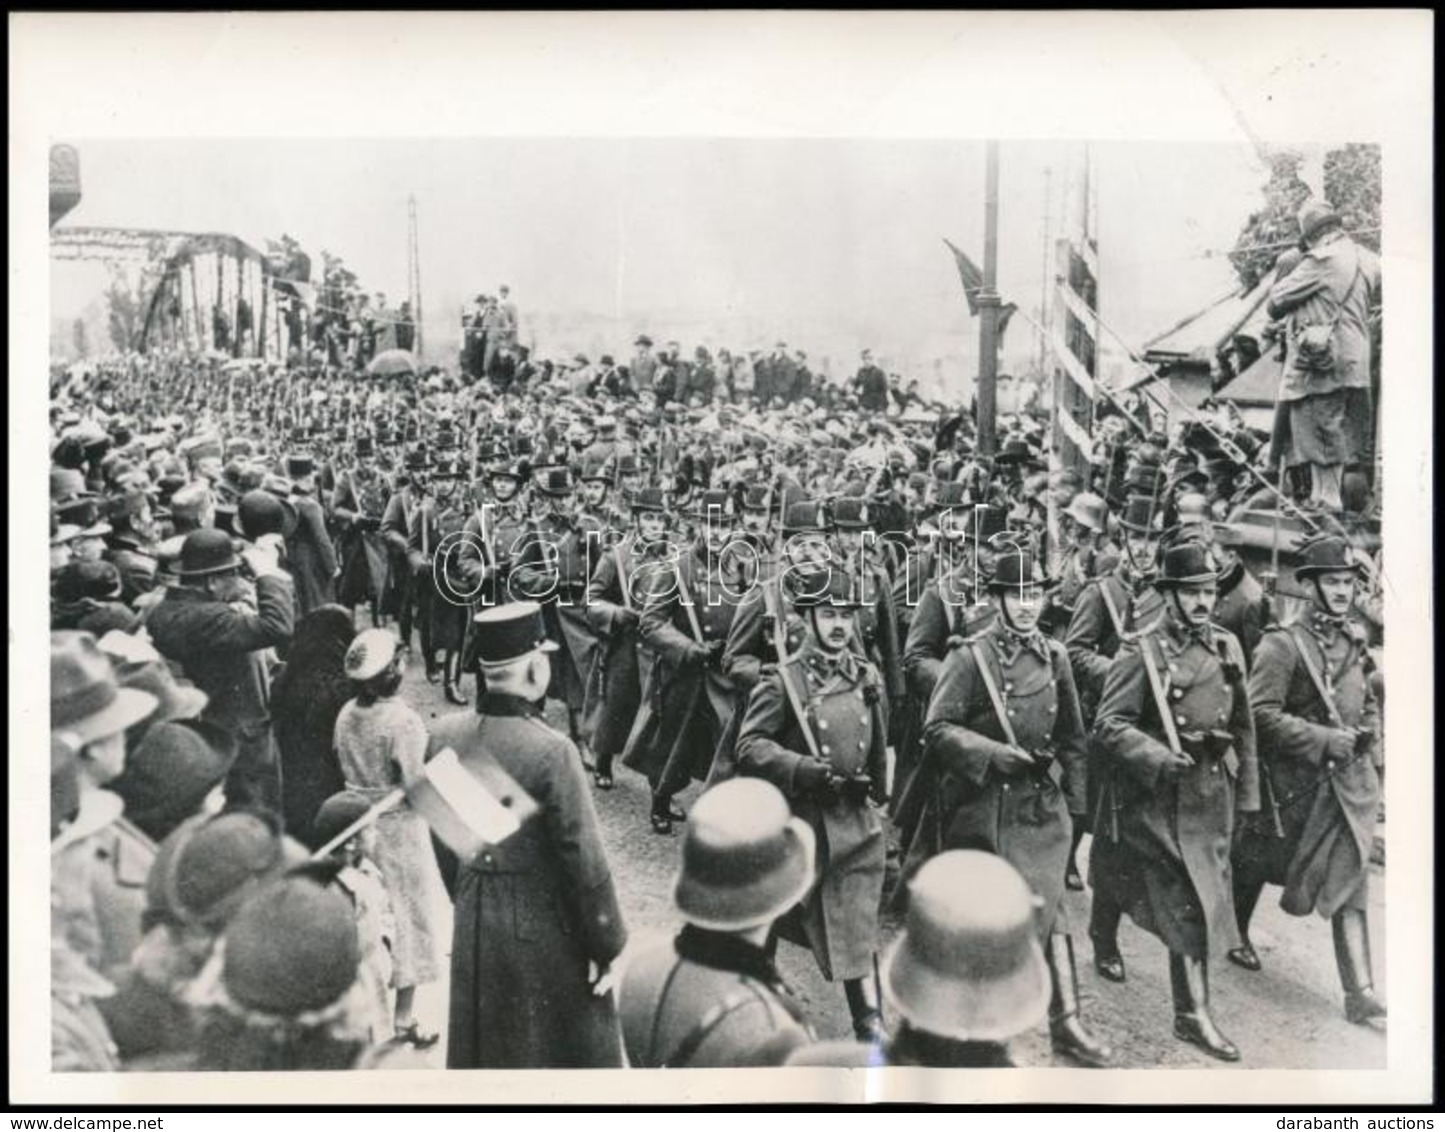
972,279
468,807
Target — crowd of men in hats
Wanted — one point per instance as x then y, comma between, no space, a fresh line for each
909,677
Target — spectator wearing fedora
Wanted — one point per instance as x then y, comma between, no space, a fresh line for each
1006,741
206,626
1320,748
97,867
537,924
711,997
832,767
964,976
381,743
1175,727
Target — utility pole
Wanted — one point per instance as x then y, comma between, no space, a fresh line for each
1045,278
988,309
413,256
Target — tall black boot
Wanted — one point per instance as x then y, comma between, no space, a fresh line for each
1246,898
1352,955
1189,980
867,1018
1104,919
1066,1028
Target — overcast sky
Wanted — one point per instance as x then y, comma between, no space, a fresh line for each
830,245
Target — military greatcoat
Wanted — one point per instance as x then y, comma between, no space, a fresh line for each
1024,818
848,717
1327,792
1169,865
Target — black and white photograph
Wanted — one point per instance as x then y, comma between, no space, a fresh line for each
622,595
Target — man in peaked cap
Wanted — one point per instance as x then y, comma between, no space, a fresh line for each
538,1002
686,617
831,764
1321,751
1006,744
221,644
711,997
1175,728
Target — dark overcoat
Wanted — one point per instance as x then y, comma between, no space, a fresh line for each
532,912
1169,866
1024,818
311,556
689,707
1320,852
848,716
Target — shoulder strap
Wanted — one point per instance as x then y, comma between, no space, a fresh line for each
1113,609
986,675
621,576
1314,674
796,703
1156,685
684,598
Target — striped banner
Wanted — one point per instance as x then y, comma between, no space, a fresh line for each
1073,367
1074,345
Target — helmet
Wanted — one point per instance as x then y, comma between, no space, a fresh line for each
968,965
746,860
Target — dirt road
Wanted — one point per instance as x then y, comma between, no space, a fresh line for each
1287,1016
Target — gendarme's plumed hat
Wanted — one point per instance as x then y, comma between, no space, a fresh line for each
1187,563
1018,569
1141,515
1327,554
824,585
805,516
509,632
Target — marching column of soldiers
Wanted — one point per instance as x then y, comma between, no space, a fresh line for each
909,678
